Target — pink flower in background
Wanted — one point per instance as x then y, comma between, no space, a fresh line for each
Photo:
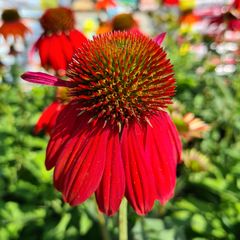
114,137
59,40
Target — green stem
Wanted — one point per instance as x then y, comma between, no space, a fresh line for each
103,228
123,221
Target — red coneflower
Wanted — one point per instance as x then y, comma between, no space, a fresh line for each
59,40
114,138
12,25
123,21
171,2
104,4
120,22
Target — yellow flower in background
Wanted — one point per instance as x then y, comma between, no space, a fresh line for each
184,49
185,29
49,4
187,4
89,27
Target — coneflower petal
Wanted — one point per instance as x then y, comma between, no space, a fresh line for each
63,132
140,186
112,186
67,47
162,154
86,170
175,138
66,155
78,153
77,38
45,79
48,117
43,46
56,55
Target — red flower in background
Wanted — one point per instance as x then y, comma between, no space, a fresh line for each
124,22
12,25
230,17
48,118
104,4
114,138
171,2
189,18
231,21
59,40
236,4
120,22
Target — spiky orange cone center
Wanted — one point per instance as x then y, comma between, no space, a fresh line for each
121,76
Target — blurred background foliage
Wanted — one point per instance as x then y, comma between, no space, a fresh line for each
206,204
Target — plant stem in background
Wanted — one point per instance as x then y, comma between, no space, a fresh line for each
123,221
103,227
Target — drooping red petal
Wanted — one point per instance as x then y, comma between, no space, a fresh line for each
162,152
56,56
78,153
159,38
77,38
63,132
15,29
175,138
112,186
67,153
48,117
66,47
65,142
86,170
140,186
43,46
45,79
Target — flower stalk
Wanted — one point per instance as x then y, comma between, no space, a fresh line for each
103,228
123,221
